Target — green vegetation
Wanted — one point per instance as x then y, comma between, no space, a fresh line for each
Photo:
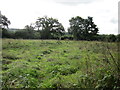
4,22
83,29
59,64
50,28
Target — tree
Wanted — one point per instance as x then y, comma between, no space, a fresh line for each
112,38
76,27
34,34
118,37
27,33
29,27
29,30
4,22
21,34
49,28
82,29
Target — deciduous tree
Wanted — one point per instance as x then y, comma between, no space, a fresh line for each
49,27
4,22
82,29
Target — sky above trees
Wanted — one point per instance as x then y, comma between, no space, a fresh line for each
24,12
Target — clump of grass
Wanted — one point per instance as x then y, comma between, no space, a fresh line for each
11,56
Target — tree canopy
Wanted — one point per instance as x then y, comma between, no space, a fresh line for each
4,22
49,27
82,29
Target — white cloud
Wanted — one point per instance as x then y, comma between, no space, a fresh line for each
23,12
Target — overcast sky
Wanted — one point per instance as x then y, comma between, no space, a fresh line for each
24,12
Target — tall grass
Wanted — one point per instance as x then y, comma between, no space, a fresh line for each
60,64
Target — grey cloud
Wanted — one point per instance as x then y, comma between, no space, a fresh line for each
74,2
114,21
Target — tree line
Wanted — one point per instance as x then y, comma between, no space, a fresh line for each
50,28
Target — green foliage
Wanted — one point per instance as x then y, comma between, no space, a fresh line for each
25,34
118,37
4,22
108,81
50,28
59,64
111,38
82,29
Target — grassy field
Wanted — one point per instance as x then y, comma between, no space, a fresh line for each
59,64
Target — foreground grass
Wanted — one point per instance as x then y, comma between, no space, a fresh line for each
59,64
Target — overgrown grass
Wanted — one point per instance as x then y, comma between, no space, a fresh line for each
59,64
